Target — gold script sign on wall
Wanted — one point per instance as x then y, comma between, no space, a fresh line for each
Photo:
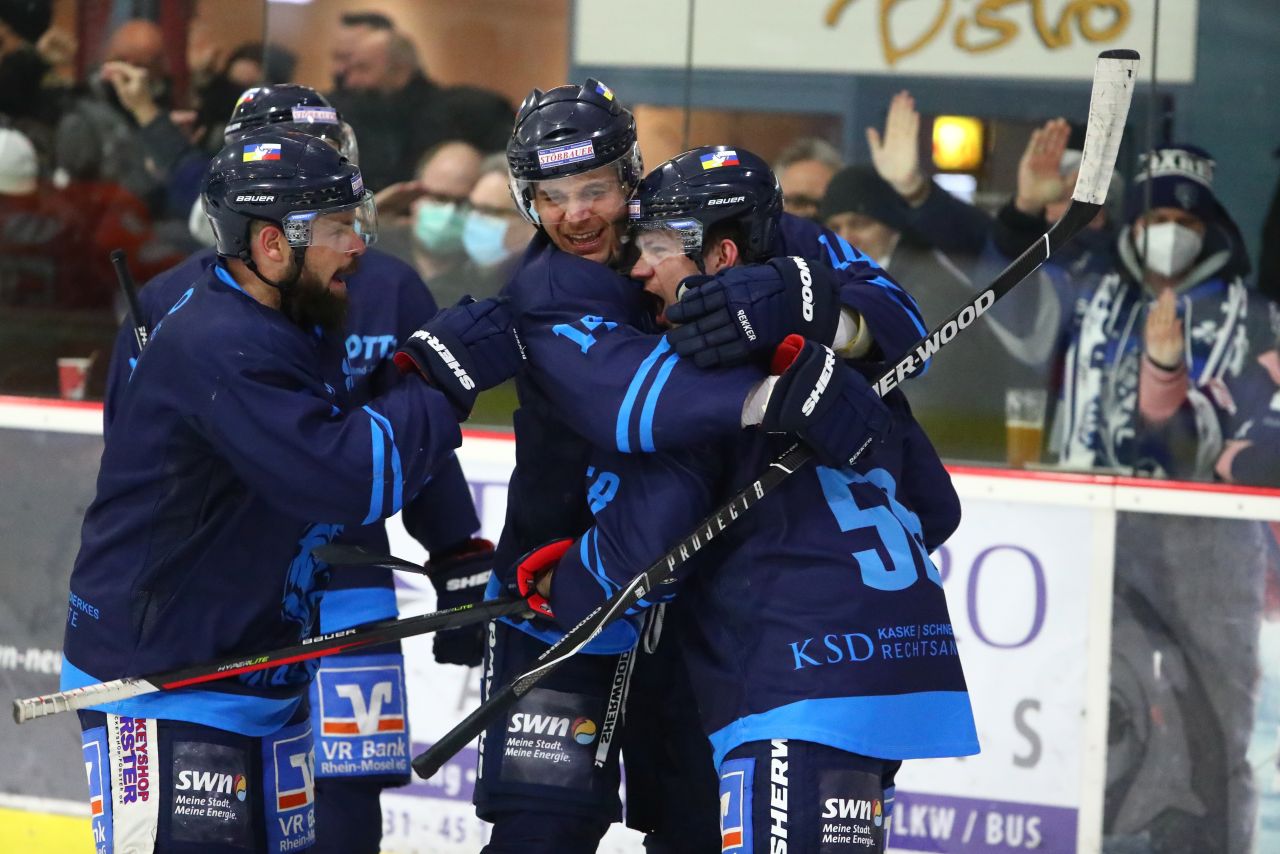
984,26
1008,39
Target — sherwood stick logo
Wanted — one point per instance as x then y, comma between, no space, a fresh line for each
935,342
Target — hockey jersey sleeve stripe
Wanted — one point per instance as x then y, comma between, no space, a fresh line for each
651,401
375,491
397,475
633,391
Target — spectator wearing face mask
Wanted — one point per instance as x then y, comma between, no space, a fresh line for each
1154,341
427,217
494,233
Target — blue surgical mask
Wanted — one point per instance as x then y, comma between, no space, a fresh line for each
437,226
484,237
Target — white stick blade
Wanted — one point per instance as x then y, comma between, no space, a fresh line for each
1114,79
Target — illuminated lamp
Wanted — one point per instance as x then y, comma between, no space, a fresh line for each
957,143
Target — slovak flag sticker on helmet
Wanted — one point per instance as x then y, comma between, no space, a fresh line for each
716,159
256,151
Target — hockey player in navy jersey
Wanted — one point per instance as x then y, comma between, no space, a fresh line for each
386,302
232,454
822,655
601,373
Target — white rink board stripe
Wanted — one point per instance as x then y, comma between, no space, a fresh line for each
494,451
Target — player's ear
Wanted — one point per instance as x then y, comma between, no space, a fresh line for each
723,254
271,242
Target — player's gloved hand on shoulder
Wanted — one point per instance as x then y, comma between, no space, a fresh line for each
464,350
533,578
824,401
724,319
460,576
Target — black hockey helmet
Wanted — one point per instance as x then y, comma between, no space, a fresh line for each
704,187
290,106
286,178
570,130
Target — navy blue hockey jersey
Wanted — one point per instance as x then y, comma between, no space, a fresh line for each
386,302
229,455
821,617
600,374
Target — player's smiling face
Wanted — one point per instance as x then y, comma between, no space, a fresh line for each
583,214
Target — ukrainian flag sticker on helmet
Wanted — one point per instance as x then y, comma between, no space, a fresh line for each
256,151
584,730
602,89
716,159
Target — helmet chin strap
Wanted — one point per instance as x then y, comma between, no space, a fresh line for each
299,255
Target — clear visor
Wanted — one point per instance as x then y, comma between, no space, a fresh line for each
348,229
656,240
601,192
340,136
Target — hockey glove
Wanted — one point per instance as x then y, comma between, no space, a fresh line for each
460,577
824,401
464,350
533,566
744,310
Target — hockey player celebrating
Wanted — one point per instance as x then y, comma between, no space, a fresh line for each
823,654
601,374
228,460
386,303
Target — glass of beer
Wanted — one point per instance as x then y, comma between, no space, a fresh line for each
1024,425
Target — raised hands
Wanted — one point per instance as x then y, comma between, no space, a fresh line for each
1040,181
896,154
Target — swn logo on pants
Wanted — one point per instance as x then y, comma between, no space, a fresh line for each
212,782
857,809
359,701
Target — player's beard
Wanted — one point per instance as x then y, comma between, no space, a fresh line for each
310,303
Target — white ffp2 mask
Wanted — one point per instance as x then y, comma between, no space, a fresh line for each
1169,247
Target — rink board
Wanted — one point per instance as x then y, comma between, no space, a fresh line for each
1027,575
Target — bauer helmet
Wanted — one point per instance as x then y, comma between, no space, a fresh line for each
290,106
570,130
705,187
292,180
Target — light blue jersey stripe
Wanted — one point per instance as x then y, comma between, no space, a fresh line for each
342,609
397,486
375,492
633,391
651,401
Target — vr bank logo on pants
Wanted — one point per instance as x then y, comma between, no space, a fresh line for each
361,701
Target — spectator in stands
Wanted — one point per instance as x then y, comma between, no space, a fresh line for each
960,399
495,232
26,102
1154,340
804,169
41,235
99,137
352,27
424,218
946,223
398,112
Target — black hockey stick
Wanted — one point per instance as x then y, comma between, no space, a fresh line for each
125,278
357,637
339,554
1108,108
